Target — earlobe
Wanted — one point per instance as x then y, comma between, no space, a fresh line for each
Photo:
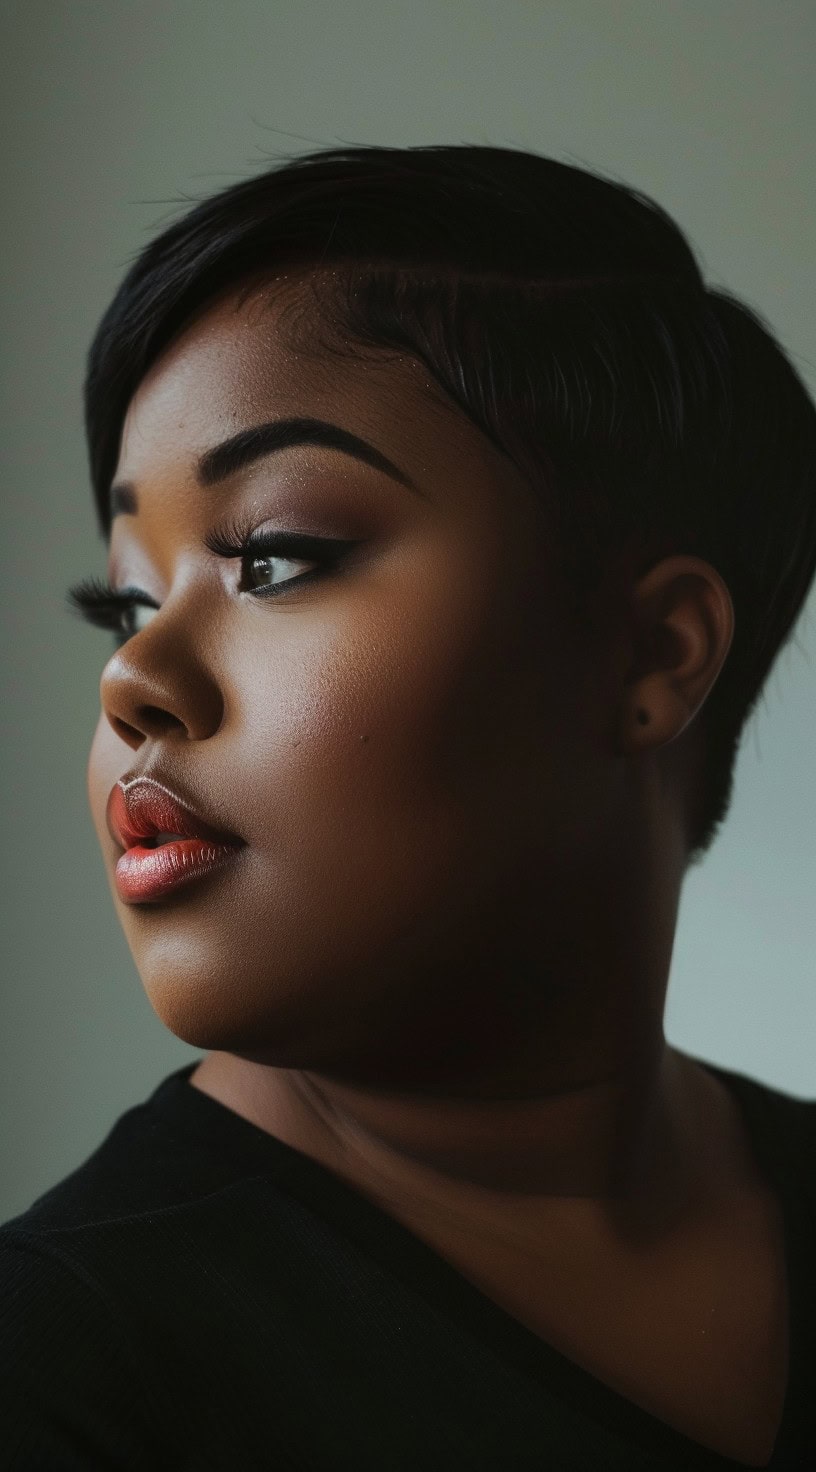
659,717
684,628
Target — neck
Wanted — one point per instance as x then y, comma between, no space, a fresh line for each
552,1094
619,1151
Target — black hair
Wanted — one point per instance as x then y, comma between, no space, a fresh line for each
565,314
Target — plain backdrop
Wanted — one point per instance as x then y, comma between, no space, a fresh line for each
116,112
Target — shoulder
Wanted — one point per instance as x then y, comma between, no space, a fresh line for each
72,1389
768,1100
777,1106
78,1387
781,1126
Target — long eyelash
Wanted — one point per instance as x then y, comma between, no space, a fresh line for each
238,535
94,600
98,603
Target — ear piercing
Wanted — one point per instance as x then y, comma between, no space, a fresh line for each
643,717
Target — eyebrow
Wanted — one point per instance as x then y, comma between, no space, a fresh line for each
262,439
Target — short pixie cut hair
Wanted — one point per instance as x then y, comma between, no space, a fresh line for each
565,314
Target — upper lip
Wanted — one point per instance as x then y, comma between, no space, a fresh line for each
140,807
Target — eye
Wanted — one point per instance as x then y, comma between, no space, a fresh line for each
115,609
269,566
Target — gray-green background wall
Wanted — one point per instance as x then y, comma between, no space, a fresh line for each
115,109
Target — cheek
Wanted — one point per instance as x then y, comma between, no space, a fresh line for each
379,757
385,694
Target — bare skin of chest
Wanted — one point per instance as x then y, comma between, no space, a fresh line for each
698,1337
693,1328
691,1325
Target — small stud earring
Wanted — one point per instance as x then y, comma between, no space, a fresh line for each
643,717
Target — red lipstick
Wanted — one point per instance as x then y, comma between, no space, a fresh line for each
167,843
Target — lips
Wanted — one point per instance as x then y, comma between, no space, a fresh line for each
144,807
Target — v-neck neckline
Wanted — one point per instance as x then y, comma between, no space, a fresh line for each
396,1248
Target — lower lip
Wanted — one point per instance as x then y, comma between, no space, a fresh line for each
144,874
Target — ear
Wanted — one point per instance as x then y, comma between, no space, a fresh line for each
682,628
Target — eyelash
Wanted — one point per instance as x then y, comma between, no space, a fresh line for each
98,603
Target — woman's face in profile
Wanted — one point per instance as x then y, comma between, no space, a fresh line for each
410,743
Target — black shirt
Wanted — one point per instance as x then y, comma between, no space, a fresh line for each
200,1295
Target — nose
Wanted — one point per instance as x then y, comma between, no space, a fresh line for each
153,688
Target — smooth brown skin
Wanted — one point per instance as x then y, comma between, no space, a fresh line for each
440,964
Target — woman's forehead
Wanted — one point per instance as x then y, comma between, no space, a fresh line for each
237,365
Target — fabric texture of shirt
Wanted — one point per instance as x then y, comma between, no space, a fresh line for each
200,1295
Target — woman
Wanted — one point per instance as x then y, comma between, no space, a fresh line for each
454,526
